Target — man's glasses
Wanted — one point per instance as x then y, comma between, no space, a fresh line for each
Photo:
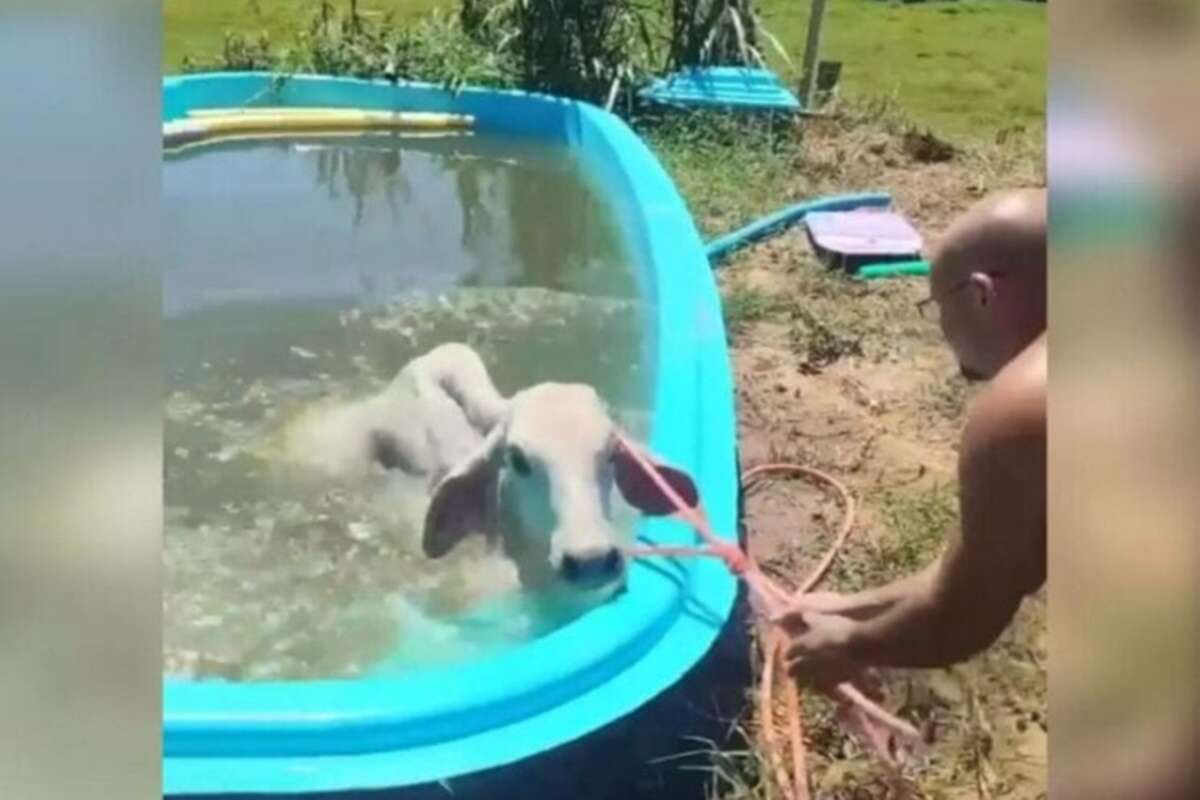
928,307
925,308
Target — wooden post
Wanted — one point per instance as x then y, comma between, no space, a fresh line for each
812,51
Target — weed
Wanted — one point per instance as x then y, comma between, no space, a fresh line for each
731,169
704,32
878,112
735,774
925,147
435,49
585,49
744,305
239,52
918,524
1015,158
947,398
818,344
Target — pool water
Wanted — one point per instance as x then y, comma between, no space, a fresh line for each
302,271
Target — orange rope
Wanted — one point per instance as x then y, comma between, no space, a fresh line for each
772,601
796,732
848,506
799,778
766,711
774,650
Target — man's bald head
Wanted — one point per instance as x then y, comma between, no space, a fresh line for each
1005,233
989,279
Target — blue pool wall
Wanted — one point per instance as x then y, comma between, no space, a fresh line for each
324,736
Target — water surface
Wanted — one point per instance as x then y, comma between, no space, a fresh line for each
300,271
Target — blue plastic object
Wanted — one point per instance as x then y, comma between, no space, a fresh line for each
728,87
723,246
335,735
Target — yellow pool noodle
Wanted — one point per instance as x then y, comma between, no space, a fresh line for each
208,113
274,122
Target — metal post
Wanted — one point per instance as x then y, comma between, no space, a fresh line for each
812,51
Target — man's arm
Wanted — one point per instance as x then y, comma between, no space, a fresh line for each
964,602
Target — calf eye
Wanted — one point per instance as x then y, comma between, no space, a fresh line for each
518,460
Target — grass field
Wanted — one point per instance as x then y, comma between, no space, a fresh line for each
963,67
967,68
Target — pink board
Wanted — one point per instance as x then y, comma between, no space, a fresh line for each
864,233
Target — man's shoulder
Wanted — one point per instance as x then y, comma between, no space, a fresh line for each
1009,416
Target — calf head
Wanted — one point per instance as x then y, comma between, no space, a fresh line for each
541,481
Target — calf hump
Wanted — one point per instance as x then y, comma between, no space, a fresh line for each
459,371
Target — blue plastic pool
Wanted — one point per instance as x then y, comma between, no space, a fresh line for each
332,735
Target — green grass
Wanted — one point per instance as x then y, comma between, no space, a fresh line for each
743,305
197,27
918,524
967,68
964,67
729,170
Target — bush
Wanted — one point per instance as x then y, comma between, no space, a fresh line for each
239,53
575,48
717,32
583,49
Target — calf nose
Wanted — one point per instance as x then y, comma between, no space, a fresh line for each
592,568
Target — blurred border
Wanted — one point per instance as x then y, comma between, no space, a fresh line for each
1124,166
80,477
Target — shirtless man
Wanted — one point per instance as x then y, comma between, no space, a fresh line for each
989,286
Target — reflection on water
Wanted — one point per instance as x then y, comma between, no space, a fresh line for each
301,271
367,219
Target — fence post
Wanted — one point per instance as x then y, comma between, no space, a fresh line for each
812,51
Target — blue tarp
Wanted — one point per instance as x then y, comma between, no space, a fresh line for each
733,87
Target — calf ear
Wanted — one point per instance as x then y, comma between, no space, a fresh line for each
640,490
464,501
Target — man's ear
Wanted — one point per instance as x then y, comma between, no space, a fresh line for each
464,501
641,491
983,286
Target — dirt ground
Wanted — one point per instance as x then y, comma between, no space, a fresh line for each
847,377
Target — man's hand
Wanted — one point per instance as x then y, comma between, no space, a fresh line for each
818,648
